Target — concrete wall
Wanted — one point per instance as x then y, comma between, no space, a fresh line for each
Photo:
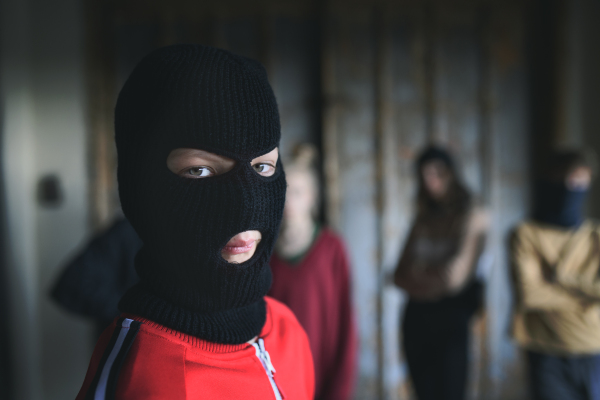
43,132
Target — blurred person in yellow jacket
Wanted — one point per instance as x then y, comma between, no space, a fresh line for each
556,271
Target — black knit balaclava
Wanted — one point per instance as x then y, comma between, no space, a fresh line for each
192,96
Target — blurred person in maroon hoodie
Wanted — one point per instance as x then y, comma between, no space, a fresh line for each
311,275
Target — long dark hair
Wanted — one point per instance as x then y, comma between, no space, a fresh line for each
457,200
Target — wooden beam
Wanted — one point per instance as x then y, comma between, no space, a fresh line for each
380,83
101,94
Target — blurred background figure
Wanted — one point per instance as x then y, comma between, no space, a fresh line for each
311,275
556,267
92,284
437,270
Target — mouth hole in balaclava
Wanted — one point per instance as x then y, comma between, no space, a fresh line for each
242,247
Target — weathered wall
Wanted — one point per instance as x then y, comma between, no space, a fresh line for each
590,94
395,79
575,83
590,85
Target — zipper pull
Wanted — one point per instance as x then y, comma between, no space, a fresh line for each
266,356
265,359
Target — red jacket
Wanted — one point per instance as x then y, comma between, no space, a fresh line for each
317,290
141,359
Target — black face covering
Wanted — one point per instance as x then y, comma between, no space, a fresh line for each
191,96
555,204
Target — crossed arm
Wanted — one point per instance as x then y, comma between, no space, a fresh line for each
540,286
434,280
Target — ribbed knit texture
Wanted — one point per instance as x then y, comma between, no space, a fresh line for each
192,96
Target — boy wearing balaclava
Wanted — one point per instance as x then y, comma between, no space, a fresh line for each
556,269
197,131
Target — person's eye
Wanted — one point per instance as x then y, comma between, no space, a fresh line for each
264,169
198,172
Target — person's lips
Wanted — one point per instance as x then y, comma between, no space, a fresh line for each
238,246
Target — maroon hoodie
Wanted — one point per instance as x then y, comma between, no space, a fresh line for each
317,289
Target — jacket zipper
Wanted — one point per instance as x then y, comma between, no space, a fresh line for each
265,360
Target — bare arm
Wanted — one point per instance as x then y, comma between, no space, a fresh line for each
454,275
436,280
404,276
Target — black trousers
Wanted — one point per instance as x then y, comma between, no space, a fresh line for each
436,344
558,378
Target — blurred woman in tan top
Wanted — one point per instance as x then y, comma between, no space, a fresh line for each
437,270
556,270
